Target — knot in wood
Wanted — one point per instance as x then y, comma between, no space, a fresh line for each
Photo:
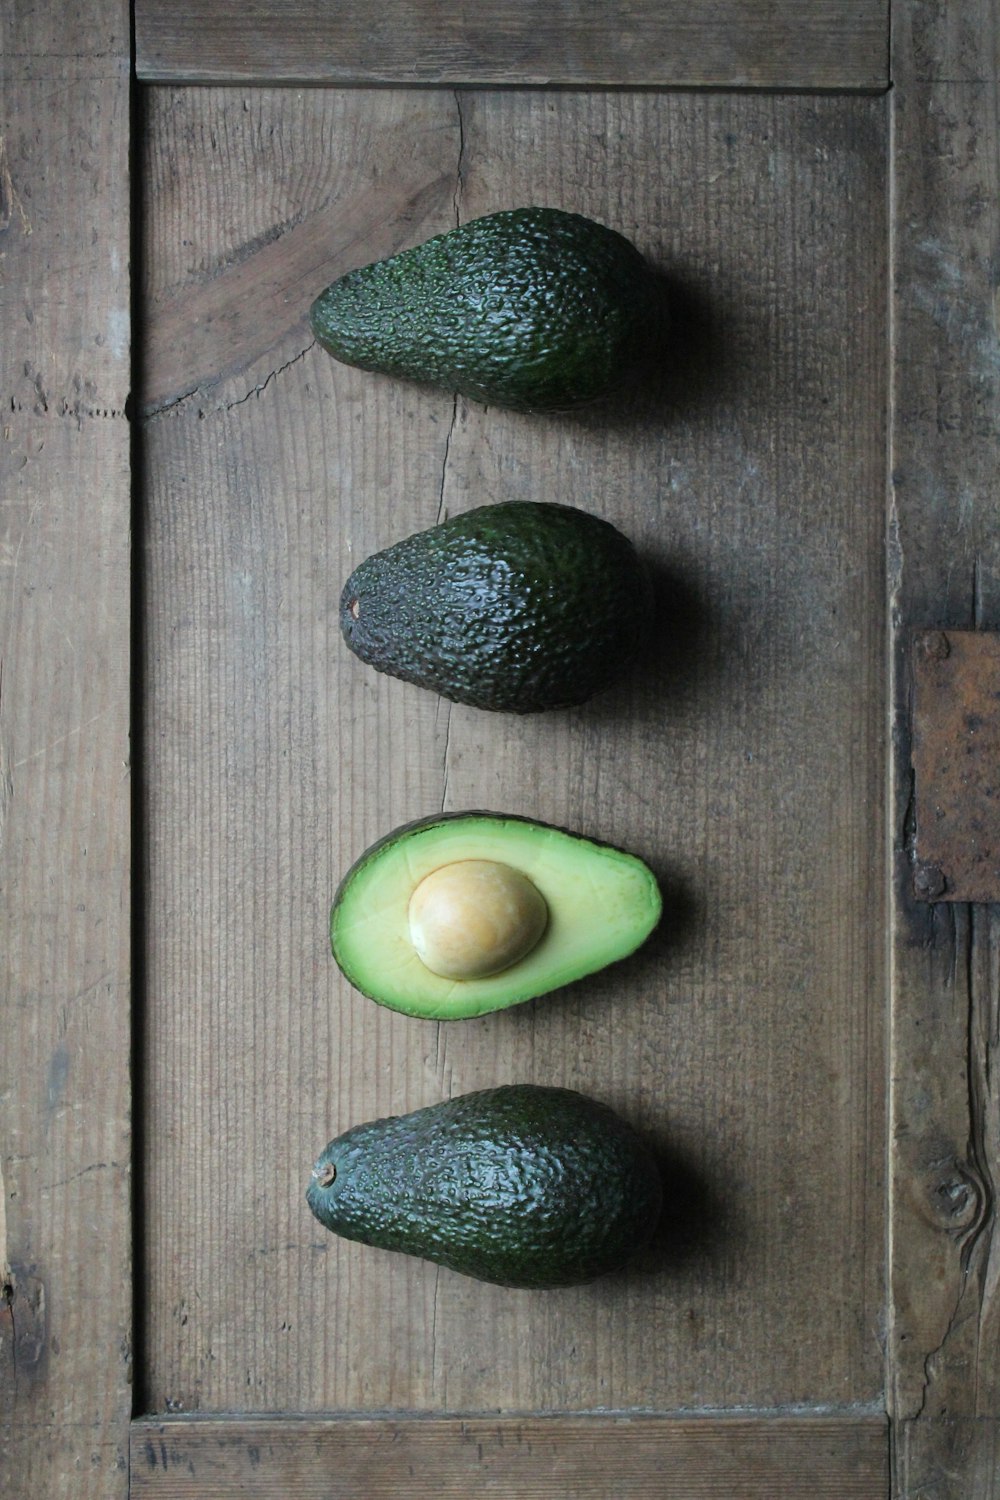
956,1197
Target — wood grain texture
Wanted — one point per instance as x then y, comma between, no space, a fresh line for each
65,1295
215,322
797,44
594,1458
743,760
945,571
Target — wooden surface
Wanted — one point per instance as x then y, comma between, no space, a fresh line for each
944,571
592,1458
743,760
244,1069
65,1295
841,44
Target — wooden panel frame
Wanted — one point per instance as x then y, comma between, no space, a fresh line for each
944,572
531,1458
770,970
788,44
65,1139
65,1324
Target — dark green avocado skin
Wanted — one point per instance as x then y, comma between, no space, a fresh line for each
516,607
534,309
523,1185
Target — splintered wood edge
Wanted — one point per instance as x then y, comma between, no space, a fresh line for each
651,1458
791,44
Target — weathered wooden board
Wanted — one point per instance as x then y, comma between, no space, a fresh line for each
791,44
945,572
64,1149
744,759
65,1294
591,1458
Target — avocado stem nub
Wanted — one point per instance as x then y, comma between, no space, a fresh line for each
325,1175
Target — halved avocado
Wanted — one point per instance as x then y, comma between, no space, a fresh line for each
464,913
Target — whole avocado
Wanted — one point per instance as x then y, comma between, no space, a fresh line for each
516,607
522,1185
534,309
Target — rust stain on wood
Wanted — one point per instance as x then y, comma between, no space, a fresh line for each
956,759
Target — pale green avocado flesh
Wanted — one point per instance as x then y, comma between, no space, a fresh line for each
602,904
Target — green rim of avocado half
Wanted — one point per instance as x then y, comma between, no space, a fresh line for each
602,903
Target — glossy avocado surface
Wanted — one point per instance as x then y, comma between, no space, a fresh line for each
522,1185
517,607
600,904
532,308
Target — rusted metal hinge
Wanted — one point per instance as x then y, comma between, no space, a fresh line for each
956,763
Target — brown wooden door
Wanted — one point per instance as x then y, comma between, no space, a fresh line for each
815,1315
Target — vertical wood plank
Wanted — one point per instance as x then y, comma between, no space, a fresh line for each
65,1304
944,1350
269,761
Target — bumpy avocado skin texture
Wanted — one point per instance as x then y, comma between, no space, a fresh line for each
516,607
533,309
523,1185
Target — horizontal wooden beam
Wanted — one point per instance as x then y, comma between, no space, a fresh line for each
789,44
533,1458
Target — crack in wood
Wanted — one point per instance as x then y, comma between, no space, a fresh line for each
445,757
963,1356
460,171
5,1271
225,406
982,1150
273,375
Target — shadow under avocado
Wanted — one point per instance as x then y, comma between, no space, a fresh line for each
683,913
684,364
682,917
680,367
680,920
695,1222
680,657
679,650
692,1222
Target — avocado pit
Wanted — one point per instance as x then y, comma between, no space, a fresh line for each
475,917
